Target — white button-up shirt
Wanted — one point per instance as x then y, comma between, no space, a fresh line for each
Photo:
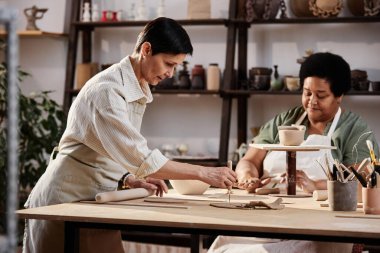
106,117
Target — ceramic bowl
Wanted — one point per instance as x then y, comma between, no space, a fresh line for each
189,187
292,83
291,135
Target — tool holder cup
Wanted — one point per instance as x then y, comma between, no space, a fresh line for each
342,196
371,200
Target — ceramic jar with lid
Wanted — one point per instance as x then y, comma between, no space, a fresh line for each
213,77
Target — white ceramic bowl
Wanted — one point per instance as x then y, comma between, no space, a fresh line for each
292,83
291,135
189,187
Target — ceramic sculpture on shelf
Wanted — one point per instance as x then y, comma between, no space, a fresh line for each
86,15
95,13
32,14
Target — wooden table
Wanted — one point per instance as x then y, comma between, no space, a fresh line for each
291,159
302,218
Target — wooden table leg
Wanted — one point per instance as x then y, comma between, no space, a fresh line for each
71,238
291,172
196,243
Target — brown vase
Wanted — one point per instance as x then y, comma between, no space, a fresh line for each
356,7
300,8
258,9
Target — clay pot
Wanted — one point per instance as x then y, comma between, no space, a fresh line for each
260,82
259,71
198,77
359,80
300,8
259,10
356,7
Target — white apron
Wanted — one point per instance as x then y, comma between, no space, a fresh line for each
77,173
275,161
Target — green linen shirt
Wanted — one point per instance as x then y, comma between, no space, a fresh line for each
349,137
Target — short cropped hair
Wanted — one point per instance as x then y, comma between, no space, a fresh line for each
331,67
165,36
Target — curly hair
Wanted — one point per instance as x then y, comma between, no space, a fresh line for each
331,67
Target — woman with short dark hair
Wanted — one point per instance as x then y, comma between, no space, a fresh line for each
102,141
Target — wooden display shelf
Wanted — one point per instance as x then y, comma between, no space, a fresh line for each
167,91
38,33
284,92
312,20
136,23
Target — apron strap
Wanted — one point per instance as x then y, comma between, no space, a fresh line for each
333,124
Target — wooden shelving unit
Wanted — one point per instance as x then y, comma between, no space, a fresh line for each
35,34
237,34
242,96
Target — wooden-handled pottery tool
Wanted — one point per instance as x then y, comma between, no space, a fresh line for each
229,165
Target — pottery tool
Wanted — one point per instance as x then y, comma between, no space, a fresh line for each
129,194
326,171
229,191
362,181
371,152
361,167
276,205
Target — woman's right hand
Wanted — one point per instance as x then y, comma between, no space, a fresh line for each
221,177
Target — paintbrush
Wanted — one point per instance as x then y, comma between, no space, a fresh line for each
328,175
362,181
371,152
229,165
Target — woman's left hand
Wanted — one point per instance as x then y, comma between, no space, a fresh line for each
304,182
153,184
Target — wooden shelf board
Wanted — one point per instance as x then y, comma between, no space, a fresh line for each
167,91
313,20
269,92
36,34
191,22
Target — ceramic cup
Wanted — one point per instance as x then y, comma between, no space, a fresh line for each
291,135
342,196
371,200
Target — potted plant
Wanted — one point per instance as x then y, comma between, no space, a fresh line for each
41,124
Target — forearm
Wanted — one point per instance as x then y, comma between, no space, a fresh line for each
177,170
321,184
245,169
